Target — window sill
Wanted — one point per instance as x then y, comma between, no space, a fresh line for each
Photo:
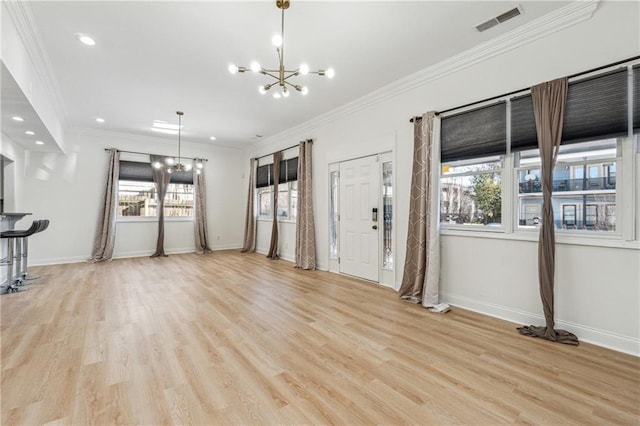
134,219
562,237
268,219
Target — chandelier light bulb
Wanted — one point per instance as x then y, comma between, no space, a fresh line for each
157,165
262,90
276,95
169,170
233,69
285,93
304,90
198,172
200,165
304,69
170,161
330,73
276,40
255,66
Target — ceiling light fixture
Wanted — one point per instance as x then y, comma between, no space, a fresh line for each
29,132
178,166
213,138
281,75
17,118
100,120
39,143
86,39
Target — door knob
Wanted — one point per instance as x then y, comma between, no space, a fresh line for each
374,227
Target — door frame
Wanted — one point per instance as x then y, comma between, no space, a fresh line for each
386,277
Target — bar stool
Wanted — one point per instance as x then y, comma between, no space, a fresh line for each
13,273
22,249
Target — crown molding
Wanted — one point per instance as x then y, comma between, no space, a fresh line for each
565,17
22,17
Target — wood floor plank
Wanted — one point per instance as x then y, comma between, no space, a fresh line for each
231,338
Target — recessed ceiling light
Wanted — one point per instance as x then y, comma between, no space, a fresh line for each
29,132
159,124
86,39
100,120
39,143
258,136
213,138
17,118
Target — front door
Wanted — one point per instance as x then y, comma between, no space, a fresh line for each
359,214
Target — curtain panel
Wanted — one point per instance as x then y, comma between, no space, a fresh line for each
273,246
161,179
105,237
305,255
200,210
549,104
421,276
249,244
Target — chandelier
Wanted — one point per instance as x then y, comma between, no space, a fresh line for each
178,166
281,75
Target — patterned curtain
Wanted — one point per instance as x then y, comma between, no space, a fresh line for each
200,208
249,244
549,103
273,247
161,179
105,237
305,228
421,277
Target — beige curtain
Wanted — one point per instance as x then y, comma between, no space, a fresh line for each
305,227
105,237
421,277
200,208
549,102
161,179
273,247
249,244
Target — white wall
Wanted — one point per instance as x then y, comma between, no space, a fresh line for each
597,287
67,190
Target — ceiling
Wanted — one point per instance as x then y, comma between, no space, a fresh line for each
153,58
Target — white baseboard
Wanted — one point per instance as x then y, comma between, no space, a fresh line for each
123,255
617,342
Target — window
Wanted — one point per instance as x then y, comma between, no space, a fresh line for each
584,184
491,171
333,215
471,192
137,196
287,203
387,203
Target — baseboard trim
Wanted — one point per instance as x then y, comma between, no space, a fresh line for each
616,342
124,255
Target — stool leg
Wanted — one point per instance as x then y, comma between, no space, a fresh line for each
24,273
11,282
17,255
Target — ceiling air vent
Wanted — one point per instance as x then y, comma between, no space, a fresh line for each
499,19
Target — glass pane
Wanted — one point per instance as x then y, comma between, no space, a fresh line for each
474,199
387,201
333,216
474,165
592,212
264,202
283,201
137,199
179,200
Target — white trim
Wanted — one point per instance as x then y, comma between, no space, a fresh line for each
125,255
617,342
562,238
557,20
22,17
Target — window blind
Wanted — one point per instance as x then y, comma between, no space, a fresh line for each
288,173
142,172
596,109
477,133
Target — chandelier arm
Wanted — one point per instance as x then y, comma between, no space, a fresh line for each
268,72
290,75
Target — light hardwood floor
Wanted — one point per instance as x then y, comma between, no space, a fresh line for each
228,338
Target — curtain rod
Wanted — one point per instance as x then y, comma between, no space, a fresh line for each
146,153
521,90
285,149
